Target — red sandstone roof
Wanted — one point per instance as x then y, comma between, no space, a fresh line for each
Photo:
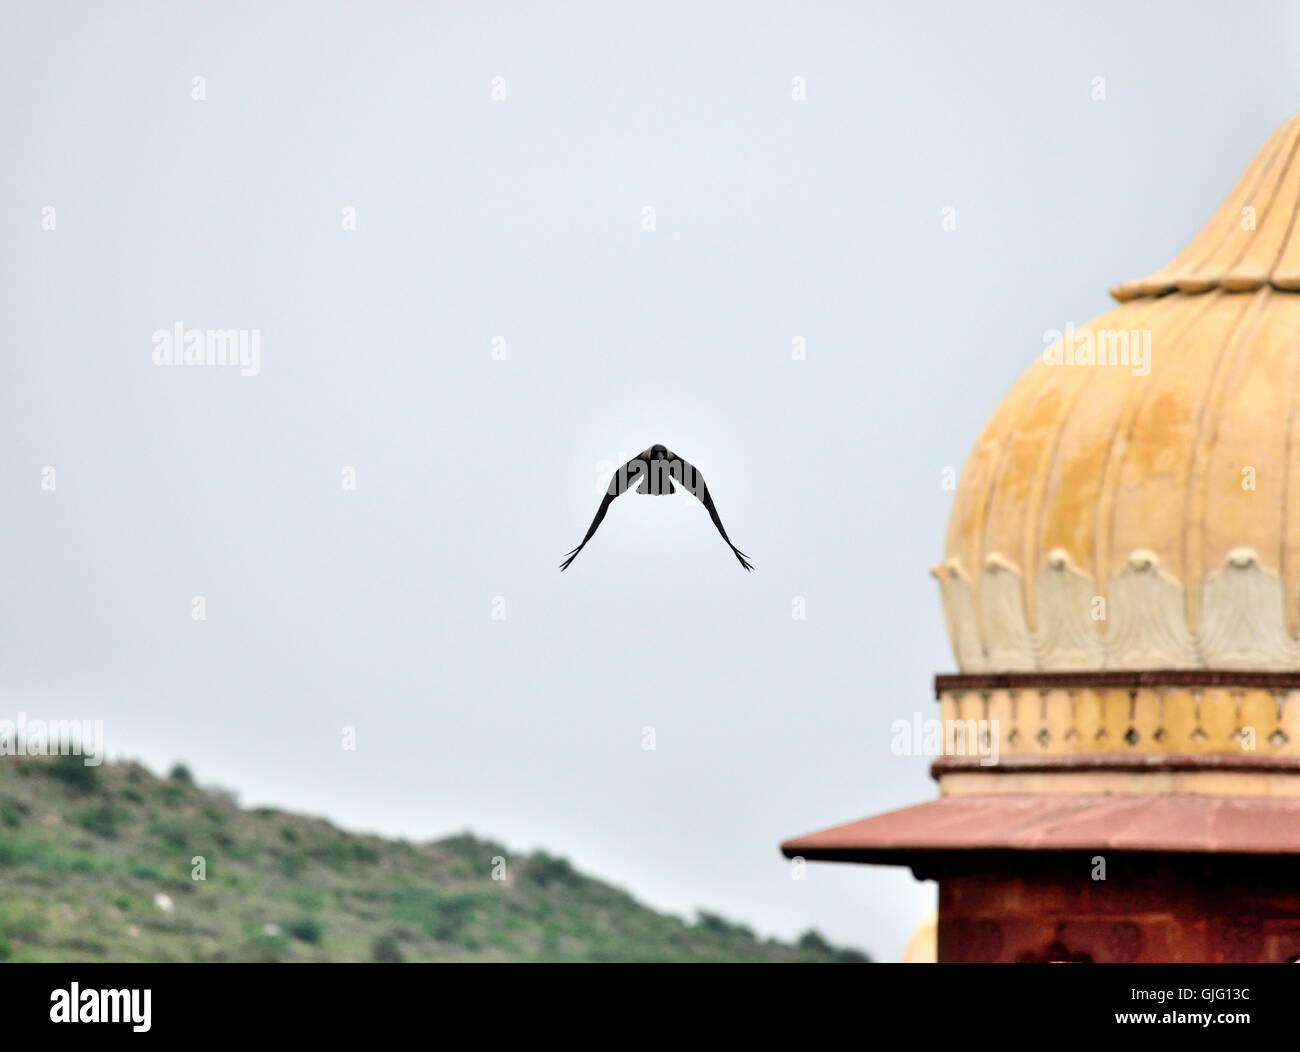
1174,823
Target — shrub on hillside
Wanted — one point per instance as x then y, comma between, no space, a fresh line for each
386,949
716,923
545,870
102,819
72,771
306,928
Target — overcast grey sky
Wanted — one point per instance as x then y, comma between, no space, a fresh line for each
523,220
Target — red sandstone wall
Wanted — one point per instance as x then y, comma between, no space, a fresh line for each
1146,911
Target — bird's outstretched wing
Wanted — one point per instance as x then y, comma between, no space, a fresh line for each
689,476
622,481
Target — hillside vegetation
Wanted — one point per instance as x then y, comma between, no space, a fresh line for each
98,864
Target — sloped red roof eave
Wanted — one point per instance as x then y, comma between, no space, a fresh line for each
1174,823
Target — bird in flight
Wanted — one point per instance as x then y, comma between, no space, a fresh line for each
656,469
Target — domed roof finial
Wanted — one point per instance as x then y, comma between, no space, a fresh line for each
1253,239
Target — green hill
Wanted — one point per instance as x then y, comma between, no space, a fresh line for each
85,853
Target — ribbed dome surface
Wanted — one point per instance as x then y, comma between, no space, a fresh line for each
1115,517
1253,239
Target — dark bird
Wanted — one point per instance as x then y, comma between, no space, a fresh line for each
656,469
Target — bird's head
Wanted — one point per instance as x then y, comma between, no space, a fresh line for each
658,452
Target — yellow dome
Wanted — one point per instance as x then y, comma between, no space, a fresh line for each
923,944
1134,502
